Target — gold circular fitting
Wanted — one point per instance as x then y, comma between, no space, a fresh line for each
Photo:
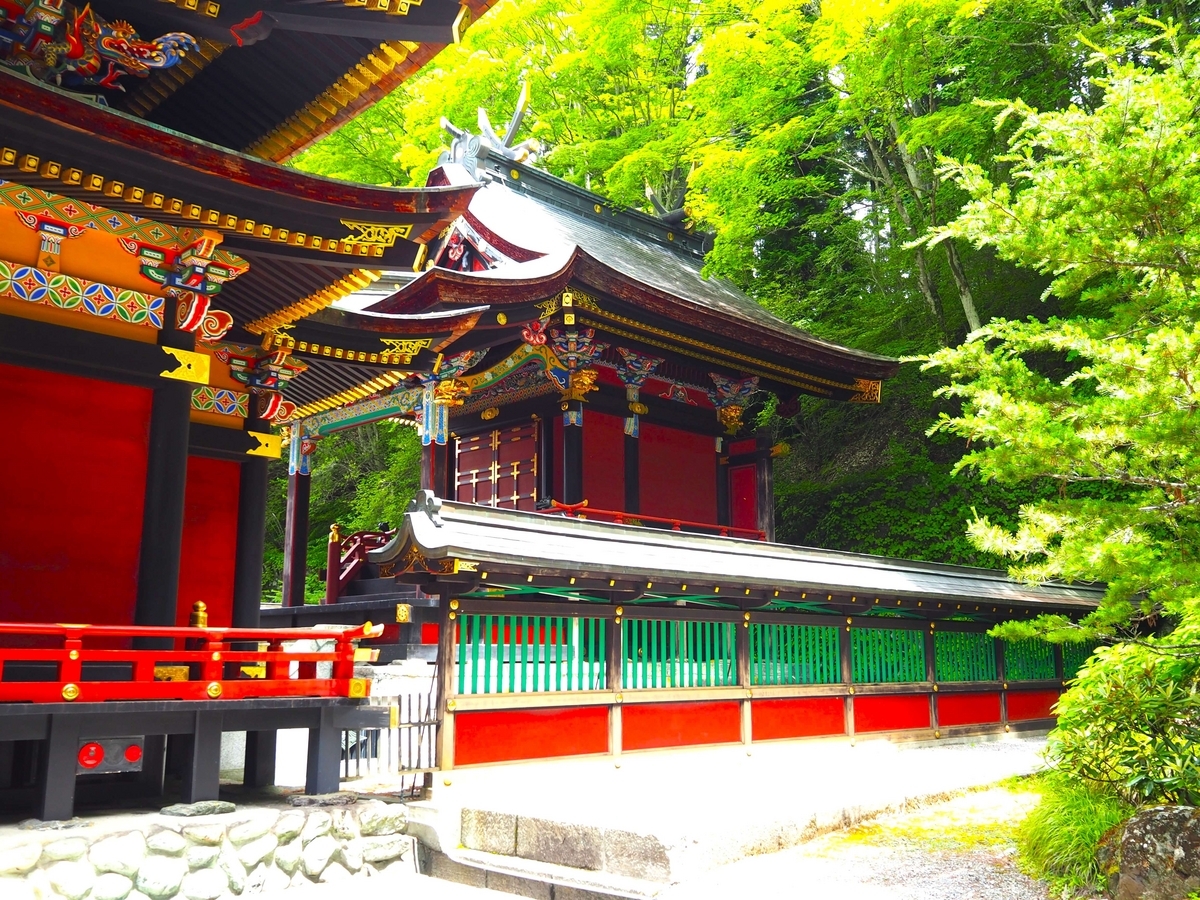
515,174
216,657
70,692
453,616
1005,685
620,610
454,604
931,626
937,734
851,690
451,704
214,689
74,654
746,616
849,620
935,689
358,688
490,413
501,319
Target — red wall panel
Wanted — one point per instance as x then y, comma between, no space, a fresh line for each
967,709
209,539
743,496
647,725
891,713
430,632
793,718
604,460
73,463
483,737
677,474
1024,705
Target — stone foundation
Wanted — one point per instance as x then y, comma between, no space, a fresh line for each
210,857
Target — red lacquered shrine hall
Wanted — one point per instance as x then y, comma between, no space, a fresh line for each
591,562
149,242
590,565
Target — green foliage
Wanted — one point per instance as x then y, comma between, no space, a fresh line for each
1130,722
360,478
1109,202
1058,839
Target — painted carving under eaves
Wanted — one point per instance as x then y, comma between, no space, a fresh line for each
74,48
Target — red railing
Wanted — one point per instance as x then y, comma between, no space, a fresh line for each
346,557
209,669
583,511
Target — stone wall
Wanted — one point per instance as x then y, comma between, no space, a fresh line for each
206,857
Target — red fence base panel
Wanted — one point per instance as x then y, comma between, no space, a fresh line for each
504,735
795,718
1026,705
891,713
645,726
968,709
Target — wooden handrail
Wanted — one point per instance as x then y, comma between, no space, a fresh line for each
346,556
210,668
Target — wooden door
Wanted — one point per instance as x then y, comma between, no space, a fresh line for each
498,468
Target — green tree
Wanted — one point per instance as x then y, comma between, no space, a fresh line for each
1108,203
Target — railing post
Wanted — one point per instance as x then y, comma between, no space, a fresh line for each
445,684
931,676
70,670
333,565
614,675
343,664
743,666
847,675
1002,674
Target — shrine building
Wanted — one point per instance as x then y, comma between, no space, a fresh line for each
590,566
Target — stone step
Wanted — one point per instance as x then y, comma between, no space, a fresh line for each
534,878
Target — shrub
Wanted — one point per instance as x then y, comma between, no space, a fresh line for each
1130,722
1058,840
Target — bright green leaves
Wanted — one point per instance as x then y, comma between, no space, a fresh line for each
1108,202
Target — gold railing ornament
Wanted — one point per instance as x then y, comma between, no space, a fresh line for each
199,616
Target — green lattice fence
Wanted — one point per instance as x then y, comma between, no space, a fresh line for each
887,655
661,653
514,654
1028,660
794,654
964,656
1074,656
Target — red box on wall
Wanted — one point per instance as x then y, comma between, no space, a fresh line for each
891,713
797,717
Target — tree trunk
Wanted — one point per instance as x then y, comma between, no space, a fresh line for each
924,279
964,289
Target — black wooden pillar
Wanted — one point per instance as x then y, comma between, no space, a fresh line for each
295,538
251,535
435,470
766,484
572,437
633,485
166,482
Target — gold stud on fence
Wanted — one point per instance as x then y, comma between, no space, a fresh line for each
70,691
214,689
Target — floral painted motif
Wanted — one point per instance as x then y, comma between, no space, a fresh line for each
60,291
220,400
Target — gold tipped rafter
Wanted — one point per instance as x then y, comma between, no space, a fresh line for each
367,72
118,192
165,82
384,382
355,281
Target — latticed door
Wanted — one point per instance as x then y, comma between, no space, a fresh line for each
498,468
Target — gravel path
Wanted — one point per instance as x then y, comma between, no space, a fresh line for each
961,849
